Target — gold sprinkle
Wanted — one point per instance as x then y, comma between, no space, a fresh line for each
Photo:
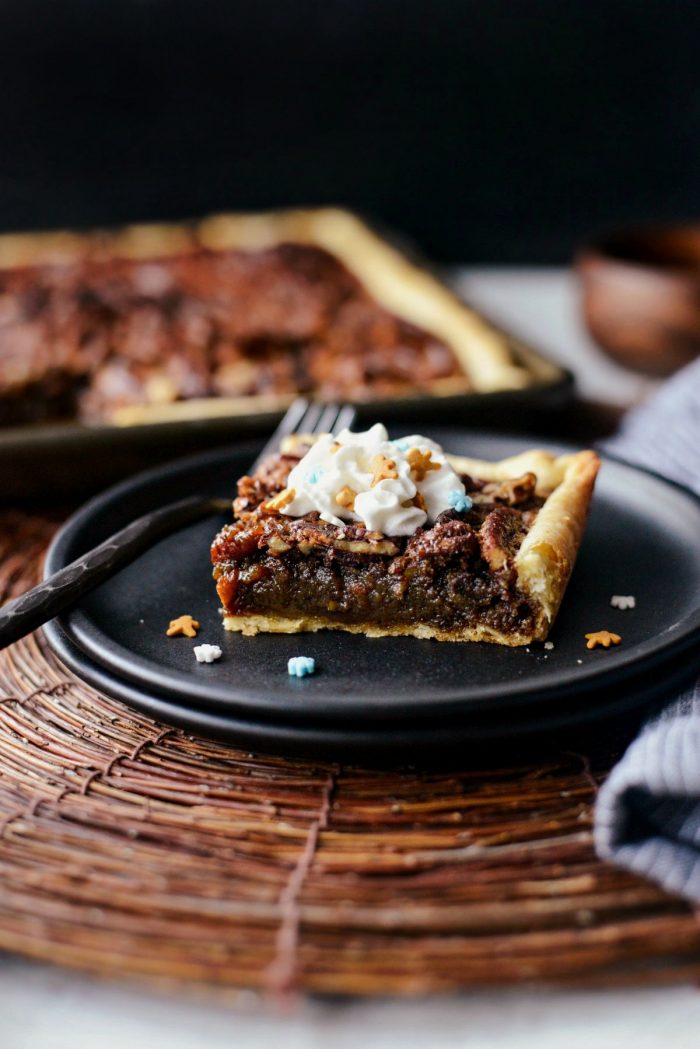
606,638
284,498
384,469
418,501
184,625
346,497
420,462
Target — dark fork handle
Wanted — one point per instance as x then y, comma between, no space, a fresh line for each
64,588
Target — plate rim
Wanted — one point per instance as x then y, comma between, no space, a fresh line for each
317,740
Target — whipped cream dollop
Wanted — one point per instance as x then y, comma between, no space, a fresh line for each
391,487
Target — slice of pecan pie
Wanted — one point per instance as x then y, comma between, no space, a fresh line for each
384,537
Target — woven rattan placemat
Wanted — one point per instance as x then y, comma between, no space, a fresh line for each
132,849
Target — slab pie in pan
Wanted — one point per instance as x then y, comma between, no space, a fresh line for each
219,324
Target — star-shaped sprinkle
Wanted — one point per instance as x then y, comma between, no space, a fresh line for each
184,626
206,653
418,500
300,666
623,601
384,469
459,501
420,462
606,638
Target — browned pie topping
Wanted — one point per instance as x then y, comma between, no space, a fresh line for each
88,337
511,492
453,573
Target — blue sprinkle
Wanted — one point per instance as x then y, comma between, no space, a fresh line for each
314,475
459,501
403,444
300,666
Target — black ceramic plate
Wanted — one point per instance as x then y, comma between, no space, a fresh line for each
479,738
643,539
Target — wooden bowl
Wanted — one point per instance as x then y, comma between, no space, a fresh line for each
641,296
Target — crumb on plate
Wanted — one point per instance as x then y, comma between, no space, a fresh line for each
623,601
549,645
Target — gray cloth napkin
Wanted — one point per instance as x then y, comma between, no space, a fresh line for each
647,816
664,433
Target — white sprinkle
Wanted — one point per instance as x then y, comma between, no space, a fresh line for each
549,645
579,661
621,601
207,653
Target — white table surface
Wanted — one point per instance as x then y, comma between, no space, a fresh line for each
46,1008
542,307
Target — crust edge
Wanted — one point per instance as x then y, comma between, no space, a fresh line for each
250,625
546,558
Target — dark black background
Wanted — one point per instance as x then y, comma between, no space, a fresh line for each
489,130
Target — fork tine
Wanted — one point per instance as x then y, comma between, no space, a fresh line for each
335,417
328,419
292,421
310,417
346,417
309,422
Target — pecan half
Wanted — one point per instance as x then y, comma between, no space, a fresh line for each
511,492
500,537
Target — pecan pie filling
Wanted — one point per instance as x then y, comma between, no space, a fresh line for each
90,337
454,572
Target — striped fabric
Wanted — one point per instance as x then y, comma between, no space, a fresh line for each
648,812
664,433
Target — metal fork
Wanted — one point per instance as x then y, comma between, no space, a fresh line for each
64,589
308,417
